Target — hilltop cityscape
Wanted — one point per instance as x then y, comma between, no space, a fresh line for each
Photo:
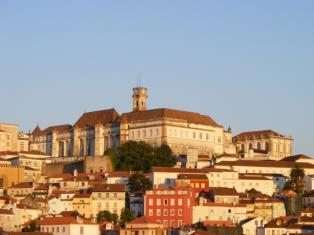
152,172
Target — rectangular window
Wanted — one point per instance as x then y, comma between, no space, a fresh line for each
180,212
81,230
151,202
180,202
165,202
165,212
201,136
158,212
150,212
158,202
179,223
172,202
194,135
172,212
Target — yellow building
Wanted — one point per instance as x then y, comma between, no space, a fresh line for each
109,197
11,175
8,137
143,226
82,203
265,142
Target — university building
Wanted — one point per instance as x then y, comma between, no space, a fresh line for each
94,132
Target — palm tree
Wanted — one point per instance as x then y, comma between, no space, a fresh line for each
297,175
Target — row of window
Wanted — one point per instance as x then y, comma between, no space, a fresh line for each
167,202
171,223
145,133
107,204
166,212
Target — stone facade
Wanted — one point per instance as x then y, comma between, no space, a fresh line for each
94,132
8,137
267,142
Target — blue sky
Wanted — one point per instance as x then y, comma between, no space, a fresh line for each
248,64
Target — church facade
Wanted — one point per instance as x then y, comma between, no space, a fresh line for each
95,132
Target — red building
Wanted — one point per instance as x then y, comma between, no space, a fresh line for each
171,206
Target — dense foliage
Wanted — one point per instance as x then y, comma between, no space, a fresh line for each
126,216
140,156
32,227
138,183
296,181
106,216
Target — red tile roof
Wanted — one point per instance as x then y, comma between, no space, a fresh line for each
157,114
106,116
6,212
224,191
29,233
294,158
257,134
265,163
22,185
142,220
109,188
61,220
193,176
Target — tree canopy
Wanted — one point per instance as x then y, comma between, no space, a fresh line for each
140,156
126,216
138,183
296,181
106,216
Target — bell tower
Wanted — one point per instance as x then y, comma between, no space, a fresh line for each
139,98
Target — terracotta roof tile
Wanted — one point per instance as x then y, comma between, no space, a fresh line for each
142,220
193,176
106,116
265,163
256,134
221,191
109,188
61,220
6,212
22,185
154,114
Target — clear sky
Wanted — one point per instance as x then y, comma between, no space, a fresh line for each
248,64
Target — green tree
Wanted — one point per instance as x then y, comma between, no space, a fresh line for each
31,227
288,185
126,216
164,157
106,216
135,156
112,153
297,178
140,156
138,183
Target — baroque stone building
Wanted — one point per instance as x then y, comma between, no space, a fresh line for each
94,132
267,142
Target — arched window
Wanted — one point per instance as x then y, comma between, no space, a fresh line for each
250,146
266,146
258,145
